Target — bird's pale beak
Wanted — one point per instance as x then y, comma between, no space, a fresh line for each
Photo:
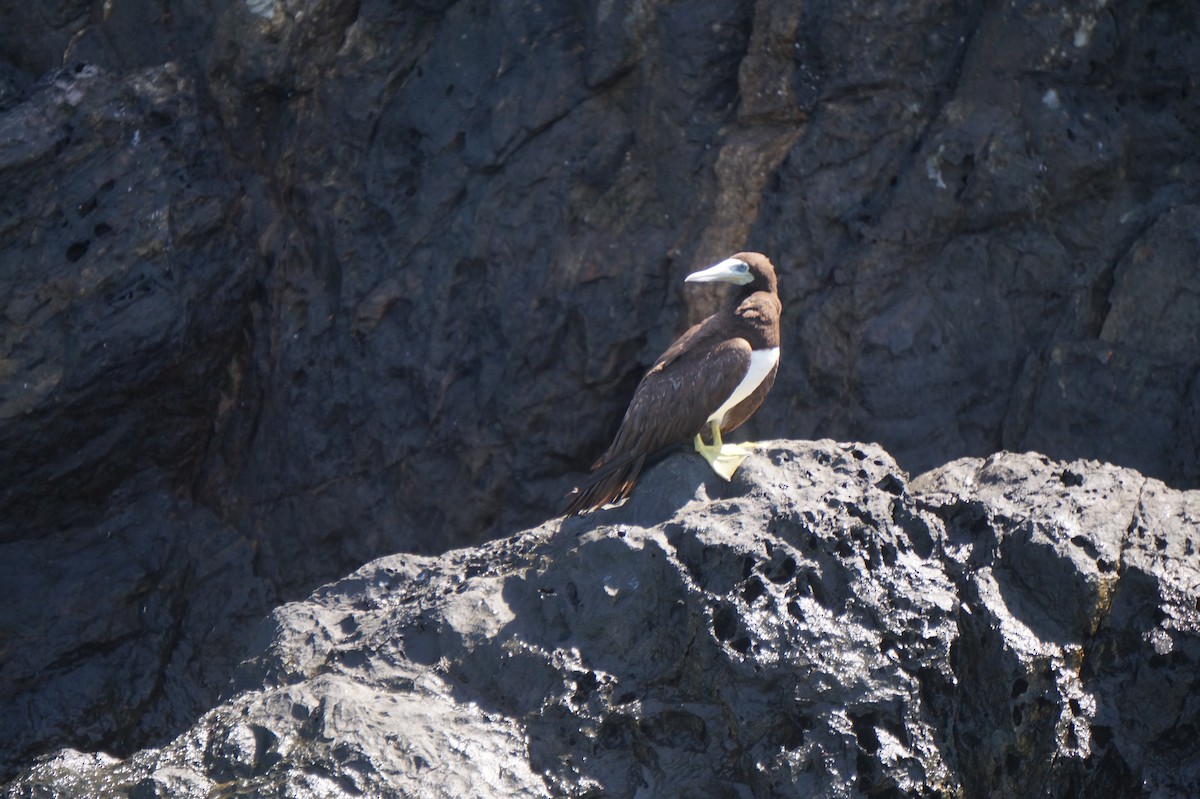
731,270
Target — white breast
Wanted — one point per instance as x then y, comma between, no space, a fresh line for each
761,364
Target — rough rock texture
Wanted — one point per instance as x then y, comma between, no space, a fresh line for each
820,627
288,285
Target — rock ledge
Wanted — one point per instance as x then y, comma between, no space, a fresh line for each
822,626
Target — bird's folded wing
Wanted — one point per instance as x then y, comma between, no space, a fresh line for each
675,398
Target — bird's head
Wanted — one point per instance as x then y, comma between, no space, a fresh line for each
744,269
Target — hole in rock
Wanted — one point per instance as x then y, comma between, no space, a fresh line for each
891,484
77,250
585,684
1070,478
781,571
725,622
753,589
864,731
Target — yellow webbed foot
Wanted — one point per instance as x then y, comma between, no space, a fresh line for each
728,458
723,458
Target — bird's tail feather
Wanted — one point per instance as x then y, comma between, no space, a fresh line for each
612,482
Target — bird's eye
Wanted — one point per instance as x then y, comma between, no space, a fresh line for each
742,268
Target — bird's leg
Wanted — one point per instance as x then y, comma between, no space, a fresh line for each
723,458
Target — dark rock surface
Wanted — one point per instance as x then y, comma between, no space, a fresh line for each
820,627
288,286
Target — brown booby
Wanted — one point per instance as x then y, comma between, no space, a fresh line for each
715,376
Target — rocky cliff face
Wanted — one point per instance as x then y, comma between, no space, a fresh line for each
821,627
290,285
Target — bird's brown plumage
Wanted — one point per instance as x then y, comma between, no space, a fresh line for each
687,384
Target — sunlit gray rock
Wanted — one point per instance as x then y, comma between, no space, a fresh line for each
820,627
